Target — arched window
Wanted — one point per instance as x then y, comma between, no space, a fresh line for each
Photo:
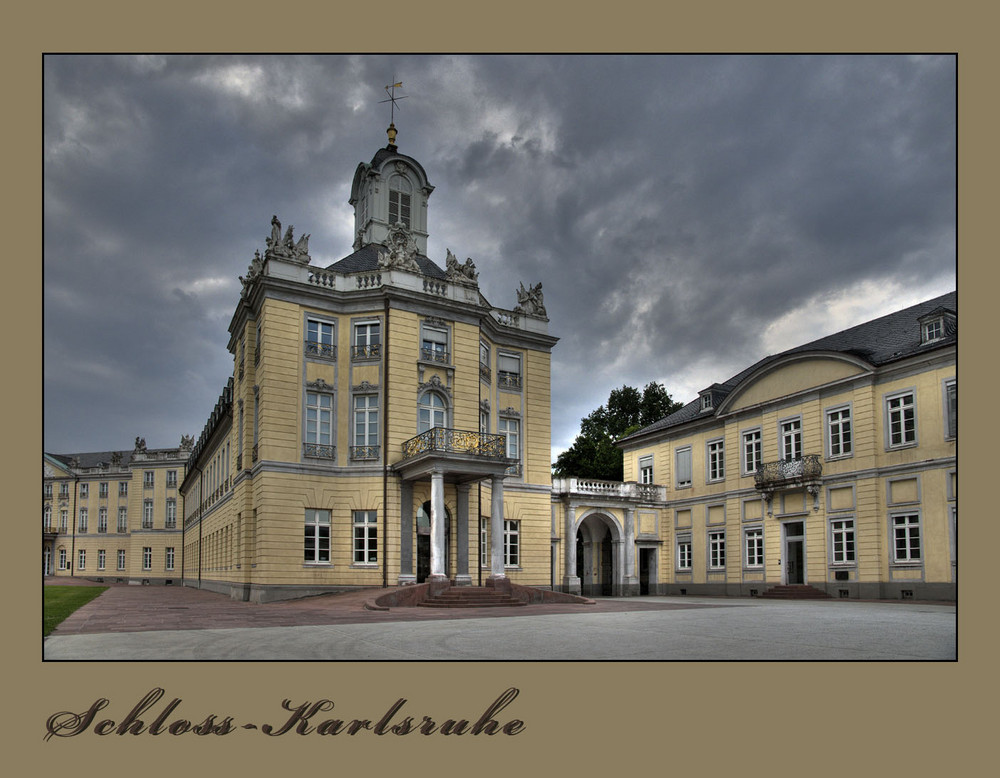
399,200
431,411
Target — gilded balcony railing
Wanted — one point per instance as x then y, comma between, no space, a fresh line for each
443,439
364,453
369,351
804,468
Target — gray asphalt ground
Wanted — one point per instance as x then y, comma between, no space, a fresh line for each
614,629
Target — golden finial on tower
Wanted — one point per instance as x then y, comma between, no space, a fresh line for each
391,91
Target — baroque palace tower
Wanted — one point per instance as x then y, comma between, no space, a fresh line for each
384,424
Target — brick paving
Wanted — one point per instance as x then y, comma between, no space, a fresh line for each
128,608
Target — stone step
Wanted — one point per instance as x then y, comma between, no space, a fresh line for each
795,592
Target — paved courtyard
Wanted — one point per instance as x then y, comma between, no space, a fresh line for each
176,623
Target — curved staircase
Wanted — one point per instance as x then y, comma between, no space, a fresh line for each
471,597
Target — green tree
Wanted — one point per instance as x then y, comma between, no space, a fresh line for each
594,453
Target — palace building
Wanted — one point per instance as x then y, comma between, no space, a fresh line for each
113,515
829,469
385,424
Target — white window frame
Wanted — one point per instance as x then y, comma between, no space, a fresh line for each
646,470
367,339
81,559
169,558
122,519
950,398
321,338
510,371
121,559
717,549
901,411
843,541
366,415
715,460
484,542
62,558
170,520
433,410
511,543
753,548
685,554
316,519
319,423
790,439
84,491
123,488
102,519
63,520
365,537
511,429
706,401
839,432
679,455
64,489
102,490
47,491
148,479
932,330
47,516
147,557
752,441
907,527
102,558
81,525
435,344
400,201
171,479
147,514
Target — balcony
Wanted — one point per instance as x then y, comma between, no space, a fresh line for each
369,351
364,453
321,350
609,490
460,455
788,473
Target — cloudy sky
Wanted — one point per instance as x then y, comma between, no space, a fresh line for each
686,215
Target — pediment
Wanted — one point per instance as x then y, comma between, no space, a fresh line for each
791,375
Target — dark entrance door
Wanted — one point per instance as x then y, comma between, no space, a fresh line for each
644,560
424,541
795,567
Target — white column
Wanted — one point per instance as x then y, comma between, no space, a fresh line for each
462,577
437,526
571,581
631,580
496,528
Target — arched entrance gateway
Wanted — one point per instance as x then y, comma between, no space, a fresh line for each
599,550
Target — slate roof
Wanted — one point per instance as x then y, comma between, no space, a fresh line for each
365,260
879,342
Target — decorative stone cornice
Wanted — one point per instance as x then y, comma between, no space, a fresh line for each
365,387
435,384
318,385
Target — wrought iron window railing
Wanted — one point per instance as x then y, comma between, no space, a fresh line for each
804,468
316,349
434,355
484,371
514,470
318,450
364,453
443,439
509,380
369,351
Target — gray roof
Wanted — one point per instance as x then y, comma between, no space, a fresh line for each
365,260
91,458
878,342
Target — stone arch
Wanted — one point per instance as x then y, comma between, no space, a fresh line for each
600,553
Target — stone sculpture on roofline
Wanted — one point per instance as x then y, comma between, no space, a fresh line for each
530,301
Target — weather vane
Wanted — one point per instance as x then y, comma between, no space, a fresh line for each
391,91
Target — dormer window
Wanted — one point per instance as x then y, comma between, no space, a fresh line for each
932,330
400,190
706,401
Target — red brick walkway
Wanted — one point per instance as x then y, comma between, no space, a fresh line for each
124,608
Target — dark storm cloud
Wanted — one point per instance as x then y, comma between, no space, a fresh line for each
682,212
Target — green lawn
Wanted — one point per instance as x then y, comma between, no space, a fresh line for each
60,601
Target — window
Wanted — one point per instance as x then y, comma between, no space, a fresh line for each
791,439
509,371
367,340
645,470
121,559
84,491
170,521
484,420
365,537
147,514
319,339
754,546
62,558
147,558
102,489
683,467
102,558
63,520
317,537
716,460
47,516
906,538
171,479
256,421
365,427
484,542
684,553
716,550
430,411
259,343
147,479
901,417
64,490
951,409
838,427
82,524
102,520
170,558
47,491
751,452
399,201
82,560
842,541
706,401
123,519
434,344
932,330
319,425
123,488
484,360
511,543
512,429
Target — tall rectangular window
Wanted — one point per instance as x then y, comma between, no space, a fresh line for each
319,339
84,491
148,479
365,537
63,520
82,524
102,490
147,514
171,479
951,409
102,558
754,546
367,340
716,460
123,519
82,560
508,371
842,541
645,470
47,517
170,522
123,488
64,489
434,344
399,207
147,558
683,467
62,558
512,429
102,520
906,538
511,543
751,452
484,360
121,559
838,430
717,550
791,439
365,427
47,491
317,535
484,542
170,558
684,553
319,425
901,419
